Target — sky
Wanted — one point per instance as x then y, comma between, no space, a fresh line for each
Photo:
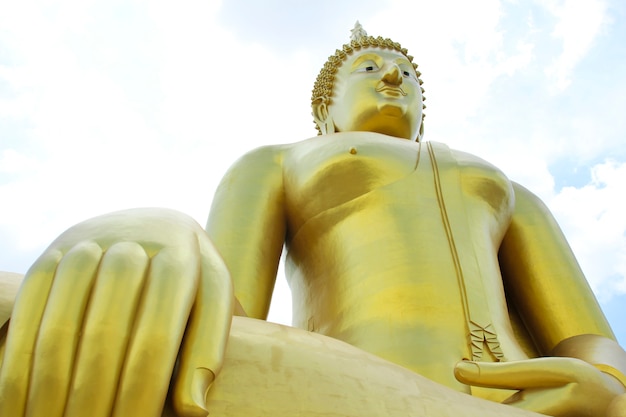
109,105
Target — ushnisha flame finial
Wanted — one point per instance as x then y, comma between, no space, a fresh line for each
358,32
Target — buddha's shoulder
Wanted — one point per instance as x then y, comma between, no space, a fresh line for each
264,156
467,162
459,157
475,173
318,149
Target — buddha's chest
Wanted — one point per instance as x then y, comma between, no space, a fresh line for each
327,173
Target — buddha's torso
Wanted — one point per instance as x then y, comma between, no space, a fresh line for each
392,247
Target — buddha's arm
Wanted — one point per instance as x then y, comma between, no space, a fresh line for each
544,279
546,285
247,225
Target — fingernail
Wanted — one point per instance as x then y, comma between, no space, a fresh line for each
202,380
466,369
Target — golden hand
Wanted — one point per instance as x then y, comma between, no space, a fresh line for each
100,317
556,386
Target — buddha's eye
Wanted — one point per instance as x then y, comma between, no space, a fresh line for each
406,73
367,66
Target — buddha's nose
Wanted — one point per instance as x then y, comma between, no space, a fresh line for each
393,75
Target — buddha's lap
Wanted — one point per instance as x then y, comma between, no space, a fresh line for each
274,370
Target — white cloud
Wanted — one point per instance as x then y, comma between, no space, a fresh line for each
13,162
579,22
593,218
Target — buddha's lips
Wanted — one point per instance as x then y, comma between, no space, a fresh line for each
386,87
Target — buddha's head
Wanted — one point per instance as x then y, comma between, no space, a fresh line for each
372,85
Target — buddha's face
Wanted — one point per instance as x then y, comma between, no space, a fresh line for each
377,90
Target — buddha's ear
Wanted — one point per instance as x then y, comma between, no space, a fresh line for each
320,115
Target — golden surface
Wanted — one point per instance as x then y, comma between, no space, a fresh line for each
273,370
419,274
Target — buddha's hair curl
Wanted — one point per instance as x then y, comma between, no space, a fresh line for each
323,87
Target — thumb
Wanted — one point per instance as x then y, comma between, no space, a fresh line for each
523,374
202,352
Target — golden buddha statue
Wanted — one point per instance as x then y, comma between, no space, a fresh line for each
420,274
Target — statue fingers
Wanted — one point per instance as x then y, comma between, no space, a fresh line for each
555,386
21,339
106,330
154,343
206,335
531,373
60,329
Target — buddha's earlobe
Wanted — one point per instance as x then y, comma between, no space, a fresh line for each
321,116
329,126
